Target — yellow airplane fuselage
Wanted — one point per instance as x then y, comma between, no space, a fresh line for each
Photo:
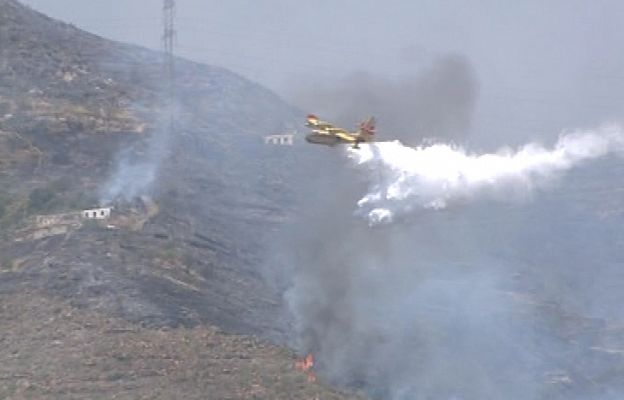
329,135
327,139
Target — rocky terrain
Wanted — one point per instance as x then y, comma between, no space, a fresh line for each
136,306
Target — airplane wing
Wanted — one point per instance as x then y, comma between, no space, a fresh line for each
315,122
323,126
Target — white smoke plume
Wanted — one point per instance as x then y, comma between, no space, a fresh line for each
405,179
130,179
482,301
137,167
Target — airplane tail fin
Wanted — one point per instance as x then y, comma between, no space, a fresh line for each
367,128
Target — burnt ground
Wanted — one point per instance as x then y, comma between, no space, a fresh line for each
72,106
141,310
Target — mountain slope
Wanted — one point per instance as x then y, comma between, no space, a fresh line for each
137,304
78,112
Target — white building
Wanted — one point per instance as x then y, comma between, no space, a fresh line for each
285,140
97,213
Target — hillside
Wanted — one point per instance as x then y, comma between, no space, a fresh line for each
52,350
219,249
177,264
73,107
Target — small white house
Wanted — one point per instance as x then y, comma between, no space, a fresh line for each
97,213
287,139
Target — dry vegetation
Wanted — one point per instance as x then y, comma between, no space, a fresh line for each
52,350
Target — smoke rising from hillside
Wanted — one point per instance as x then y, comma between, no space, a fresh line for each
136,168
438,100
478,301
406,310
404,179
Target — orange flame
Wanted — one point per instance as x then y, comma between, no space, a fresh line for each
305,365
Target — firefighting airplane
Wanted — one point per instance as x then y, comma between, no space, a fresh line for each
329,135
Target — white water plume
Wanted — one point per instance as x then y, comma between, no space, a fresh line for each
404,179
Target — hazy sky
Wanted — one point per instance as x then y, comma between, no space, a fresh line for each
541,66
